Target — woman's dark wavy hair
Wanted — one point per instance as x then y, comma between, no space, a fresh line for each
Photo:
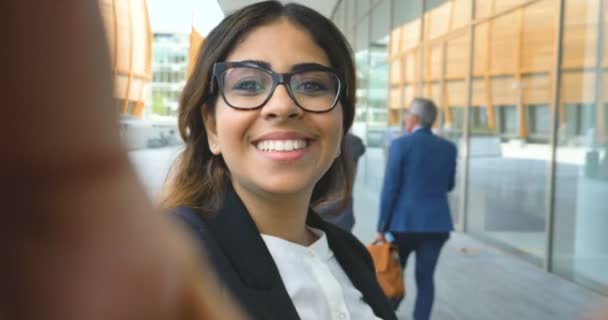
198,177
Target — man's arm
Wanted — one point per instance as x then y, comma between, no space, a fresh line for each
452,173
392,186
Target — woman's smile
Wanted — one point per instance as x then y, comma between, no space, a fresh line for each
283,145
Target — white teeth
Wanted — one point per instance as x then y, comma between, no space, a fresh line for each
281,145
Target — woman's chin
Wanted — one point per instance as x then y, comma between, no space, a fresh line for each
287,190
286,187
292,185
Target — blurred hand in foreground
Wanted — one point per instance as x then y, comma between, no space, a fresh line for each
81,240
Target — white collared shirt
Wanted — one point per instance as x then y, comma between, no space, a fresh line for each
315,281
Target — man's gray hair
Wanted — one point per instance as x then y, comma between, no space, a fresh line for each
425,109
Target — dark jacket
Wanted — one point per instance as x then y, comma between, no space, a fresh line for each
243,262
419,174
345,219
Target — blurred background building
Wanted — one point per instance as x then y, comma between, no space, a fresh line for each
150,69
130,39
523,90
169,72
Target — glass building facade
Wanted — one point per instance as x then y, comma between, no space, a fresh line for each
170,64
522,87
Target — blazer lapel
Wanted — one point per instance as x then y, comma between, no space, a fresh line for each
245,249
352,264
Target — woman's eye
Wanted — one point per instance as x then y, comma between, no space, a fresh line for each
311,87
248,86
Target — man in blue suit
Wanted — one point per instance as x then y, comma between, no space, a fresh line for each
414,208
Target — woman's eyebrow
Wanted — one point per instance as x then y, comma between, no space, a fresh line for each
306,65
259,63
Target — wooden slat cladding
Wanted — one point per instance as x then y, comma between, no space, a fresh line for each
514,56
580,33
129,37
457,57
537,37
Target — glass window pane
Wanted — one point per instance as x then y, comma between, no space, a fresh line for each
510,126
580,243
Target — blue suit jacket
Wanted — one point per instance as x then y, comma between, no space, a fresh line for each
419,173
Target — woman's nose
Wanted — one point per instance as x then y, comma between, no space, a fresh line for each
281,105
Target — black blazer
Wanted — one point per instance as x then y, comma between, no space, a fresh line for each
243,262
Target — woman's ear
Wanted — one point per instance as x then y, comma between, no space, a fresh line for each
211,130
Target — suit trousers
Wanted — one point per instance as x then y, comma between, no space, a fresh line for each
427,247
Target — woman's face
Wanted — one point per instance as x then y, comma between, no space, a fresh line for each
278,149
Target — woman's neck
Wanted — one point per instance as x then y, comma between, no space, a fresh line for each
282,216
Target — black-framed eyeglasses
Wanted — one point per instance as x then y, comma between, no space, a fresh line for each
247,85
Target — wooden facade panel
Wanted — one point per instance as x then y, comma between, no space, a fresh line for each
129,35
120,86
395,101
480,61
196,41
396,71
409,93
579,46
504,91
580,33
456,93
457,59
410,35
536,89
437,21
478,97
504,44
136,89
433,63
513,55
393,117
394,43
483,8
139,28
577,87
503,5
123,30
411,67
538,28
577,12
432,90
461,13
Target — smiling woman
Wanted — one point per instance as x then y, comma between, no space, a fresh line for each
263,116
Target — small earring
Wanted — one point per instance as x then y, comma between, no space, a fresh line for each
213,148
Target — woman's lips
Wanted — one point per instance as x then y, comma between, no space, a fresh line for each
283,145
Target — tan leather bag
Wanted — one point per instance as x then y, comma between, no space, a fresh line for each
388,270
